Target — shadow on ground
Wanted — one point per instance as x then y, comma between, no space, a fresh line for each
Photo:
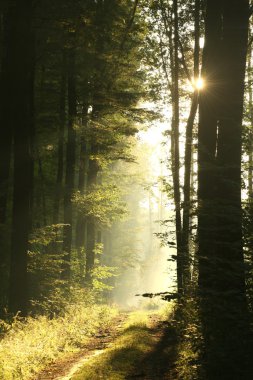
140,352
159,363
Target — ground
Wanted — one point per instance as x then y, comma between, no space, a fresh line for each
140,345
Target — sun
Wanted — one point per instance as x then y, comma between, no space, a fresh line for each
195,84
199,83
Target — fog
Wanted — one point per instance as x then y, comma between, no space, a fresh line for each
152,269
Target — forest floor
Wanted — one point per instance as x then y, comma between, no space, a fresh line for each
140,345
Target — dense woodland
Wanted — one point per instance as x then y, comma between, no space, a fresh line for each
79,80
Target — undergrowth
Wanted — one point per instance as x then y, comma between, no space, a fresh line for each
189,348
30,344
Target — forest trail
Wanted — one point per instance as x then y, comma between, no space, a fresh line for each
140,345
64,368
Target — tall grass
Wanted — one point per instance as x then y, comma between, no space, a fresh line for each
31,344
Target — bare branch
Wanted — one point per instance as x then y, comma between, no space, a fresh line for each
183,61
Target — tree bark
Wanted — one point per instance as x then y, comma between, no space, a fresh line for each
221,264
6,133
21,118
91,226
70,164
207,140
188,152
81,223
175,156
250,136
60,145
6,83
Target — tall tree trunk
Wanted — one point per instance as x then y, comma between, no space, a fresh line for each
188,152
221,264
250,137
81,225
207,139
21,118
42,191
175,155
70,163
91,227
6,82
60,145
230,276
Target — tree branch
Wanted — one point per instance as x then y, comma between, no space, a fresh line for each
183,61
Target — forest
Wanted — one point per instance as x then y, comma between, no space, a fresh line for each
126,189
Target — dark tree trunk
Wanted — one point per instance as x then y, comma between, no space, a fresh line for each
207,140
250,135
175,157
42,192
6,86
60,146
70,163
221,264
81,225
230,276
91,227
188,152
21,118
82,184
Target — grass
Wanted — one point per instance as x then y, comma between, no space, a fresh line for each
31,344
127,353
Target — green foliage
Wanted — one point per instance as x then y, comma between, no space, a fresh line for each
44,236
101,273
47,288
103,203
190,348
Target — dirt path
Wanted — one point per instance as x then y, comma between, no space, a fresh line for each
65,368
155,362
159,362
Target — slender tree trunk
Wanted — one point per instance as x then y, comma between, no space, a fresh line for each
82,186
22,68
150,223
81,225
42,191
70,163
60,145
175,148
188,153
250,148
91,227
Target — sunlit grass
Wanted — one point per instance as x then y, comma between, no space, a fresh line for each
126,354
30,345
117,362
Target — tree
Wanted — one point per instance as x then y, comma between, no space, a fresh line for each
178,62
21,125
221,265
70,158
